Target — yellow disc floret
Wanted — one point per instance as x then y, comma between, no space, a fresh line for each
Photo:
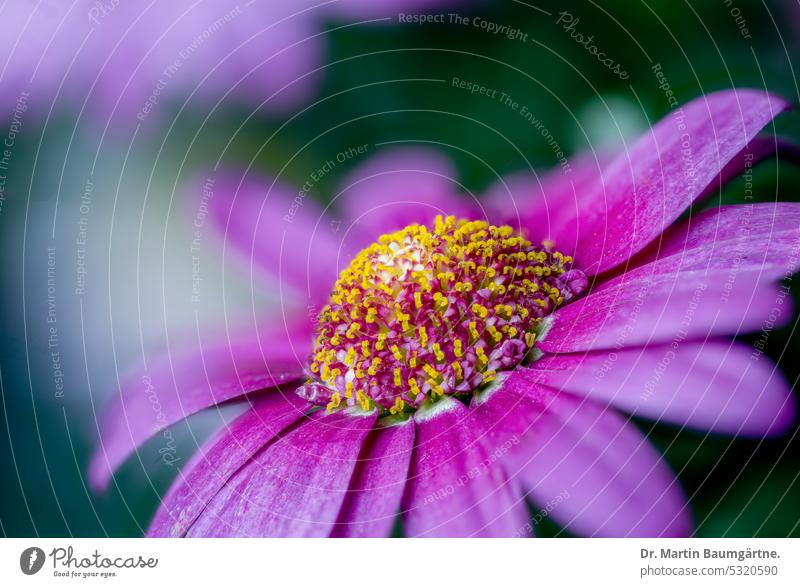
426,312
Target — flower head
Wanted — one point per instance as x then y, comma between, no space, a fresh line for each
462,366
425,313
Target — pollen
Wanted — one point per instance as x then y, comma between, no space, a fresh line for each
428,312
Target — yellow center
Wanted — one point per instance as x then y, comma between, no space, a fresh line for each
426,312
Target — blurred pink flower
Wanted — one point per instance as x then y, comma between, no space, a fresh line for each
636,324
123,59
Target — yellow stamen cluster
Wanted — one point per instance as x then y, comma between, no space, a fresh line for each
426,312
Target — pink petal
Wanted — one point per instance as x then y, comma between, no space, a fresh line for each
508,413
455,487
593,472
719,386
645,189
398,187
760,148
295,487
537,203
283,231
220,458
648,309
748,238
169,388
266,61
508,416
373,501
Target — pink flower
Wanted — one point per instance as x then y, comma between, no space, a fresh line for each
127,60
531,355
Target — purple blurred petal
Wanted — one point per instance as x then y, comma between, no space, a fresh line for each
170,388
373,500
210,469
662,308
537,203
283,232
455,488
594,473
294,487
388,8
645,189
132,59
719,386
398,187
135,60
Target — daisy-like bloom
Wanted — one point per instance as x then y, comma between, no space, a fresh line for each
463,363
127,60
